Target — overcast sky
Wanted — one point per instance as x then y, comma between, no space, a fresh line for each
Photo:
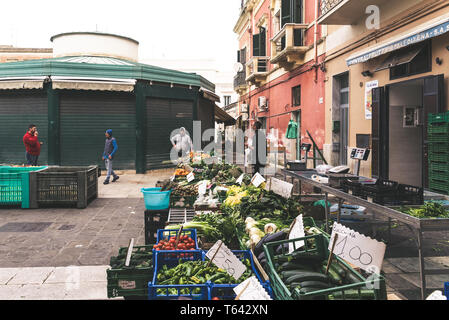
171,29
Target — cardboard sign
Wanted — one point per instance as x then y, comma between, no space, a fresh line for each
357,249
251,289
240,179
226,260
281,188
296,233
190,177
257,179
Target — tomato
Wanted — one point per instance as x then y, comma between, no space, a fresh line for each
157,249
215,298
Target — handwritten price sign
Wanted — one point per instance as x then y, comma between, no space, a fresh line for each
281,188
357,249
190,177
296,232
251,289
226,260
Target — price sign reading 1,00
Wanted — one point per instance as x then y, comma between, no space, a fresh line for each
349,251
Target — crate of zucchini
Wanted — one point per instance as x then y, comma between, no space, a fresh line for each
301,274
131,281
196,279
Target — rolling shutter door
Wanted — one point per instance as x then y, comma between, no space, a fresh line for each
17,112
86,116
164,116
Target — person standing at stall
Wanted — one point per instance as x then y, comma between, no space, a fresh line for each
182,143
259,148
110,149
32,145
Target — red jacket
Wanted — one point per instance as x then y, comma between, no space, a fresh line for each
32,144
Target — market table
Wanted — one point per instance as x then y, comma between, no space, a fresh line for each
416,225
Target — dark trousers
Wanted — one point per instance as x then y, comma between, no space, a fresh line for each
31,160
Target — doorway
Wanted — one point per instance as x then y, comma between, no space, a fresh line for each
399,129
297,117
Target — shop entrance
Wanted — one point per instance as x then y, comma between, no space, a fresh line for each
399,128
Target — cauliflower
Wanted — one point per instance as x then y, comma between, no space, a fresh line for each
270,228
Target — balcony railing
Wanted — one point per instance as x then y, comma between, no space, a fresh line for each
288,46
240,81
257,69
328,5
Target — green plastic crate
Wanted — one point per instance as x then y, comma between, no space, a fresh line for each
131,281
441,147
437,166
15,185
438,118
438,157
439,186
438,137
442,128
320,249
439,176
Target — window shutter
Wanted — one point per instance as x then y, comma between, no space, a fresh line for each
238,56
297,11
256,45
286,12
263,44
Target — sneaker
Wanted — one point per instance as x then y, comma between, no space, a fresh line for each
115,179
106,182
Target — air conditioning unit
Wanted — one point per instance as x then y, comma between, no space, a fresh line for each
244,108
263,104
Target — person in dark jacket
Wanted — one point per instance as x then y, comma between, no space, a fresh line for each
259,148
32,145
110,149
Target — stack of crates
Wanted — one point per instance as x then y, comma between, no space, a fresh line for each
438,136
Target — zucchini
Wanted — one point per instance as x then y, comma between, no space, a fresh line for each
353,294
309,290
338,269
334,276
307,276
302,257
290,273
315,284
295,266
352,278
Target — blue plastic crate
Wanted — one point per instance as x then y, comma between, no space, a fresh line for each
196,292
446,290
204,291
155,199
167,234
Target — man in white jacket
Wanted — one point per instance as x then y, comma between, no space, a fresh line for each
182,142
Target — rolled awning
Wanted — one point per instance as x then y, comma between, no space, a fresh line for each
430,29
22,83
223,116
209,95
93,84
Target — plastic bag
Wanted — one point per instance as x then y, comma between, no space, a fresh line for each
323,169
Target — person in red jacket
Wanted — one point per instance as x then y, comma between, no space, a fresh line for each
32,145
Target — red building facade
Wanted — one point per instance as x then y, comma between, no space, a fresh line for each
279,76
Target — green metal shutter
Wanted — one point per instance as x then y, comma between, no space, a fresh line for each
263,42
256,45
17,111
163,117
85,117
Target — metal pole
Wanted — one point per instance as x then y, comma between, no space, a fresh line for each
340,202
326,197
421,265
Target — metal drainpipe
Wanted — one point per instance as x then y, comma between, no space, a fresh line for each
316,40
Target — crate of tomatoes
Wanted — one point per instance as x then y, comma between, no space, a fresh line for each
173,240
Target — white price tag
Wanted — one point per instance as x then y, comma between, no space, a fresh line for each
257,180
296,233
253,291
190,177
358,249
240,179
281,188
226,260
202,188
172,178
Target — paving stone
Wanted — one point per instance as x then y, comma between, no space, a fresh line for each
398,282
412,264
6,274
432,281
31,276
9,292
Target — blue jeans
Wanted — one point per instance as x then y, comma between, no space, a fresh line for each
31,160
108,164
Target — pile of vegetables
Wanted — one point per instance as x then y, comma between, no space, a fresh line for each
196,272
181,172
430,210
140,258
234,196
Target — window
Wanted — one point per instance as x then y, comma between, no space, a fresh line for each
241,56
227,100
420,63
291,12
296,96
259,43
